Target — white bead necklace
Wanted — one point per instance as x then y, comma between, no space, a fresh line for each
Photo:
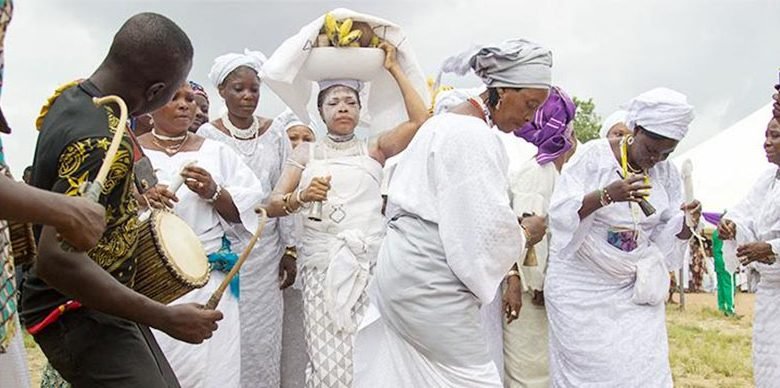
245,140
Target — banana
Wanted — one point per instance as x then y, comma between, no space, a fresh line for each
374,41
345,28
354,44
330,23
351,37
331,28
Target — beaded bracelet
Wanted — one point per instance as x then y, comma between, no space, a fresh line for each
604,197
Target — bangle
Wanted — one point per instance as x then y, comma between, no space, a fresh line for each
292,252
300,200
286,204
216,195
513,272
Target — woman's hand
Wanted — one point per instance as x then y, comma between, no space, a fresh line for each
630,189
538,298
288,269
513,298
317,190
160,197
535,228
391,59
756,251
199,181
727,229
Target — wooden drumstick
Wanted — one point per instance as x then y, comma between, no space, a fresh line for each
217,295
92,190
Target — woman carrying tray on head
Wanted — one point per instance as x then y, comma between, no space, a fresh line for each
343,174
220,194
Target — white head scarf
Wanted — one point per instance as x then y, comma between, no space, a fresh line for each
661,111
448,99
289,119
618,116
515,63
225,64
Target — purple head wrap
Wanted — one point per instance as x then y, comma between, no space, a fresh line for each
548,130
198,89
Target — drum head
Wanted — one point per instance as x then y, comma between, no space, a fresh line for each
182,247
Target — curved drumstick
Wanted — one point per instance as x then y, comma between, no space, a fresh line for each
217,295
93,189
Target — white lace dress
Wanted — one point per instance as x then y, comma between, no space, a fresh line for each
600,336
261,300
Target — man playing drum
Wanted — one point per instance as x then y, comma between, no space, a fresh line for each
106,342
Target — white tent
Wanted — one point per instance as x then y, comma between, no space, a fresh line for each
727,165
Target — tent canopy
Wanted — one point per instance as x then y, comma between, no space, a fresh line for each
727,165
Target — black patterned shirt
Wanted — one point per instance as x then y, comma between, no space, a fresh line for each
73,141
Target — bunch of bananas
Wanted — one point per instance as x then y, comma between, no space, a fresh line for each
341,34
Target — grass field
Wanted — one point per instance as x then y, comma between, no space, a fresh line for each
706,349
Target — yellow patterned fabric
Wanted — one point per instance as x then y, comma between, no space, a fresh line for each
78,163
50,101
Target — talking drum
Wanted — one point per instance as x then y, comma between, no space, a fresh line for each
170,259
23,248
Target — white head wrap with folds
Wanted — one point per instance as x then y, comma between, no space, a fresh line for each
661,111
515,63
448,99
225,64
618,116
289,120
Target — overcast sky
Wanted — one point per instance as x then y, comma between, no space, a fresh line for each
723,54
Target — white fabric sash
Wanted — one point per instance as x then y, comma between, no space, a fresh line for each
650,274
346,258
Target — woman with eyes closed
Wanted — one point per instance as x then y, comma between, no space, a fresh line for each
264,146
341,174
608,270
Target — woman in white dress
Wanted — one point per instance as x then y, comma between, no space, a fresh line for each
340,176
263,145
525,329
221,194
755,225
452,235
607,274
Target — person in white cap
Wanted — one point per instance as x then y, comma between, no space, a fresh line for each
755,225
336,181
614,126
452,235
263,145
609,263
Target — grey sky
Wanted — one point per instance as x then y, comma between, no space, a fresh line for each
723,54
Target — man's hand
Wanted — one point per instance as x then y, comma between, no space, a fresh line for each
83,223
190,322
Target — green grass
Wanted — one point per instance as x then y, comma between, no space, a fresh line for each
708,349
